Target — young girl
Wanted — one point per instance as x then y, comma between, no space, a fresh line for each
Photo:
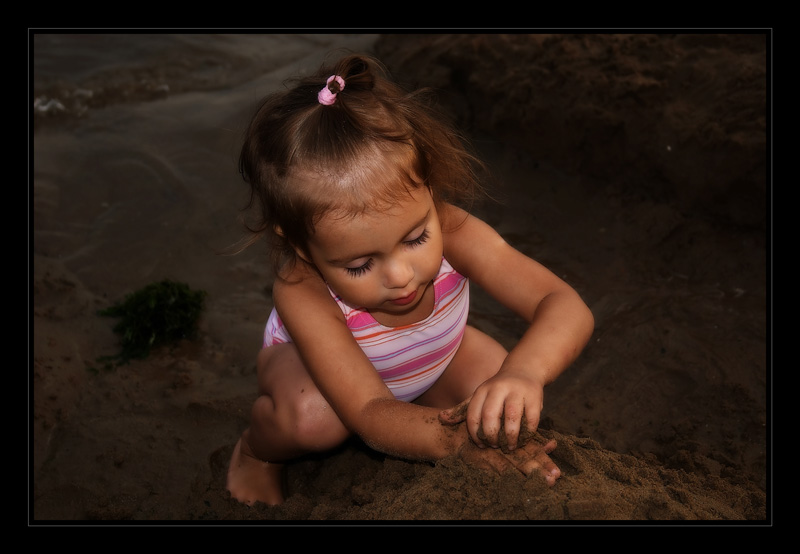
356,185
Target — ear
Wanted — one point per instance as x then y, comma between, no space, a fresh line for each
299,252
303,255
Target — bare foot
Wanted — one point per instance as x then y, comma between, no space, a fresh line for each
251,480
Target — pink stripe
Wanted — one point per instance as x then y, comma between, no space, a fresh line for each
447,284
434,332
414,364
359,320
443,303
402,355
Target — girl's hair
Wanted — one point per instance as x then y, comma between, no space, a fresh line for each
374,143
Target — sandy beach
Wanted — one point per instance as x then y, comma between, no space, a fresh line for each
635,166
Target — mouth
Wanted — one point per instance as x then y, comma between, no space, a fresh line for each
405,300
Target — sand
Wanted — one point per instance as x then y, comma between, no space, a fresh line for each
635,166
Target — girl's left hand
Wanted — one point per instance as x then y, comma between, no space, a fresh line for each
500,412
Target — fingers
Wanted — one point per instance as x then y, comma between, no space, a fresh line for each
454,415
484,418
529,459
474,418
511,424
494,460
533,458
498,422
487,421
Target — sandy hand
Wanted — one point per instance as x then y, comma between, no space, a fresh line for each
531,454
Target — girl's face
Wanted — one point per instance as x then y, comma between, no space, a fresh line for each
382,260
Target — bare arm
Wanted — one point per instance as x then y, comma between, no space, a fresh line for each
348,380
560,326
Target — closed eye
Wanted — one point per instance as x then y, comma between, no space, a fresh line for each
422,239
360,270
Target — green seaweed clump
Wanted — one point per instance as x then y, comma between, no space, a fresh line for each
159,314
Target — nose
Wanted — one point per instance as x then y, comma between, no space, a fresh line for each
398,272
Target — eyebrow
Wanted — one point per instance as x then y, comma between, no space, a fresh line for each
345,259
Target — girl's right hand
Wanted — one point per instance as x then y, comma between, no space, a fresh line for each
530,456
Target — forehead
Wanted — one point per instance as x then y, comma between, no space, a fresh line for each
340,234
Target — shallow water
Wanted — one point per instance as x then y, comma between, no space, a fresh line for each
135,178
136,140
177,61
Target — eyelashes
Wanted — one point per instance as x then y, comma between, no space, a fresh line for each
361,270
422,239
413,243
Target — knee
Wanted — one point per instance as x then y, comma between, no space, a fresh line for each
307,421
316,425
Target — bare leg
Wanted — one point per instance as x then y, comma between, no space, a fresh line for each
478,358
290,418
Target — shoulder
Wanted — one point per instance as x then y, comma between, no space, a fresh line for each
470,244
458,224
300,291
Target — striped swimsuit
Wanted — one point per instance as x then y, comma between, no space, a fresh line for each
409,358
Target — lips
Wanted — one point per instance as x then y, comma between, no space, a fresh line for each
405,300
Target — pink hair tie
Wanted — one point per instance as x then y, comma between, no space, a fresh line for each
325,96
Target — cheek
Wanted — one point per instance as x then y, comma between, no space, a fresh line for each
433,256
365,290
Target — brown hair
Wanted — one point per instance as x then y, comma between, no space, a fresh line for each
376,142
